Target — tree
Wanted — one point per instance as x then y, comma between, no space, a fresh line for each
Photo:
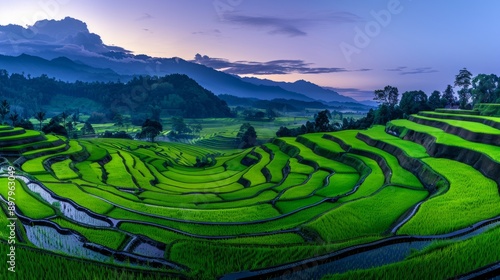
435,101
283,131
70,128
242,130
367,121
463,80
388,96
179,126
485,88
14,117
75,118
463,97
382,115
87,129
64,116
259,115
271,113
197,128
413,102
150,129
449,96
54,127
25,123
40,116
4,109
118,119
247,136
322,121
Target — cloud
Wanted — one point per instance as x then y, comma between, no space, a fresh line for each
397,69
67,36
421,70
355,93
75,49
276,25
264,68
403,70
213,32
291,27
144,16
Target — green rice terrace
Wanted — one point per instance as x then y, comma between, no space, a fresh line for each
416,199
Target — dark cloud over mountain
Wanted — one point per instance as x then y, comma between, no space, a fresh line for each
264,68
48,36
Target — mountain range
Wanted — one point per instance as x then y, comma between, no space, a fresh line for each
67,50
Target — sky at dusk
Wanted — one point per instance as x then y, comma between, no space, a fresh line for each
353,46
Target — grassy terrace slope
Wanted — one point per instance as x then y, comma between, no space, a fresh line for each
287,200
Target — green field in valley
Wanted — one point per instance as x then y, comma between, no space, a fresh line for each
285,200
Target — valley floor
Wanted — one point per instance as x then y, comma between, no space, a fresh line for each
325,202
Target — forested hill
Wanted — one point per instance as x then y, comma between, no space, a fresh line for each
171,95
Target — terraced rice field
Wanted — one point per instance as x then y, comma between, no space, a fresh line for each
288,200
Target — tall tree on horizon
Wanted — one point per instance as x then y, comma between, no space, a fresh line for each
449,95
40,117
463,79
387,96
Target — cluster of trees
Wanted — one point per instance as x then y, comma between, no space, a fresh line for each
13,116
174,95
65,124
321,124
181,129
257,115
62,124
150,129
472,90
482,88
247,136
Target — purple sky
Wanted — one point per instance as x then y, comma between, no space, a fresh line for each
349,45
